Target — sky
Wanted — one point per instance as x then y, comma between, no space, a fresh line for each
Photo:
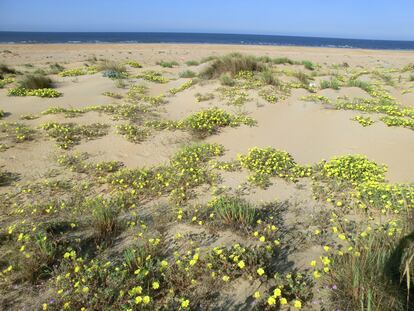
365,19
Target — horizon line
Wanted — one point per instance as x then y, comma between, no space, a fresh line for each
213,33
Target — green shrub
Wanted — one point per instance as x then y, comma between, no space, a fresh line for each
34,82
56,68
362,282
233,211
231,64
111,66
226,79
308,65
267,77
167,64
187,74
192,63
330,84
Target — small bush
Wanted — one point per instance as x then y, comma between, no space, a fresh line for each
34,82
4,69
361,84
55,68
226,79
330,84
111,66
167,64
192,63
104,218
302,77
267,77
204,97
233,210
411,78
232,64
282,60
187,74
308,65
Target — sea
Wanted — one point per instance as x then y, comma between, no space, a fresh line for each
198,38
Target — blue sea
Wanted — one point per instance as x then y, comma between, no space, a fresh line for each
207,38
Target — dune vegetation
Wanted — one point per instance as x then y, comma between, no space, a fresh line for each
133,199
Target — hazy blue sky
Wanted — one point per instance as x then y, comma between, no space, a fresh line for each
377,19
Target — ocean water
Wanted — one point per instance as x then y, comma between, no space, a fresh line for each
207,38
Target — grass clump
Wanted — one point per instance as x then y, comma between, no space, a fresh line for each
104,217
56,68
268,78
364,121
308,65
330,84
166,64
4,69
227,80
69,134
132,132
371,280
282,60
34,82
231,64
192,63
187,74
233,211
204,97
367,87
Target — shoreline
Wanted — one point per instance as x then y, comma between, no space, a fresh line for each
215,45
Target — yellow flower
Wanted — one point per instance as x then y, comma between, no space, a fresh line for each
256,295
146,299
262,239
185,303
138,300
313,263
155,285
271,301
226,278
260,271
277,292
44,306
283,301
85,290
342,237
326,248
241,264
297,304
